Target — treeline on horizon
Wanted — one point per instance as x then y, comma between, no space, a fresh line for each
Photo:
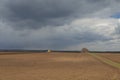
72,51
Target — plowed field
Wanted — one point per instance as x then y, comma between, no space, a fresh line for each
112,56
55,66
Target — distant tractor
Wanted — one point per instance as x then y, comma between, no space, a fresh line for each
49,51
84,50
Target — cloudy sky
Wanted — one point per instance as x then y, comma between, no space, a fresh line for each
60,24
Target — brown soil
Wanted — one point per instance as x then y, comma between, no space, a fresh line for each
52,66
112,56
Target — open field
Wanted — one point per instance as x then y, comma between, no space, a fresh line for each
112,56
55,66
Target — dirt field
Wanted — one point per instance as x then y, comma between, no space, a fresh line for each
55,66
112,56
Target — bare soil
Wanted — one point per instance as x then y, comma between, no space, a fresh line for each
55,66
112,56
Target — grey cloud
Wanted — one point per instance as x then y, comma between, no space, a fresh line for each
48,39
68,38
117,0
39,13
90,37
34,14
117,30
22,16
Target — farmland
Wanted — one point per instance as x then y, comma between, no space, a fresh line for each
57,66
114,57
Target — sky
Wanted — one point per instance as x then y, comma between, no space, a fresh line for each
60,24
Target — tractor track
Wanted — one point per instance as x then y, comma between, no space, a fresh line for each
106,60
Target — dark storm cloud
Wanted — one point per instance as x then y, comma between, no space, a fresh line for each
33,24
39,13
22,14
